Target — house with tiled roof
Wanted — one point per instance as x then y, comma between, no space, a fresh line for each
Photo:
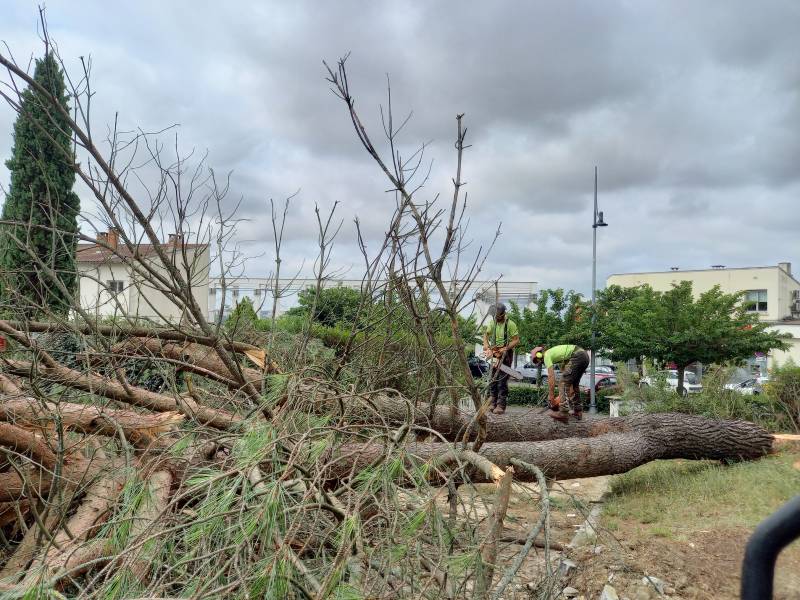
112,282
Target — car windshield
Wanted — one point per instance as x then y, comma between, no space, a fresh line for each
688,376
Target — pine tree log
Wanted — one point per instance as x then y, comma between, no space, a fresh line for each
194,358
139,429
21,441
664,436
531,425
8,511
114,390
36,476
125,331
69,540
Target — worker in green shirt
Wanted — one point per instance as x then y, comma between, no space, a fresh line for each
500,337
572,361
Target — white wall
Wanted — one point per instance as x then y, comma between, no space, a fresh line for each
779,357
139,298
94,295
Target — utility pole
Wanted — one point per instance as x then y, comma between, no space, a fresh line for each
597,221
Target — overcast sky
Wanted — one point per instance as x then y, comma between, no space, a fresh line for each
690,110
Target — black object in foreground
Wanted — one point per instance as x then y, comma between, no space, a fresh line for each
771,536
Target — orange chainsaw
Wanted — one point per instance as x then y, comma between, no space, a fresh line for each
495,359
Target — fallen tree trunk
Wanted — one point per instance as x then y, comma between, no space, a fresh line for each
139,429
668,436
194,358
113,331
71,539
532,425
114,390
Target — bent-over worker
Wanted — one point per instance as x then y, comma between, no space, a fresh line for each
500,337
572,361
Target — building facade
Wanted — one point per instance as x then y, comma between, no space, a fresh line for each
109,287
771,292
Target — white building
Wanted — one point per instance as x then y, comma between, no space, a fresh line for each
108,287
771,292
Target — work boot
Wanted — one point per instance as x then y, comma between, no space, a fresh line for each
499,410
578,413
558,416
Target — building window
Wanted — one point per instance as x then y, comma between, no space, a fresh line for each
257,292
115,287
756,300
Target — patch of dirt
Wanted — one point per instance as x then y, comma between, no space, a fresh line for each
694,565
705,565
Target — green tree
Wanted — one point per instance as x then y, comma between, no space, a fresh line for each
243,317
625,327
557,319
336,305
674,327
41,206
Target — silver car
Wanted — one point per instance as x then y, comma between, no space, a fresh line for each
530,372
748,387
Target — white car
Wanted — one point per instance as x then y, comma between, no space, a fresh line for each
748,387
529,372
690,384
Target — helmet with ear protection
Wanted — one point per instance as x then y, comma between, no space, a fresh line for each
537,354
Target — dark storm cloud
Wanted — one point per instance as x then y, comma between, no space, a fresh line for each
690,110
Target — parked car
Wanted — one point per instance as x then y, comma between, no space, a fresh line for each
748,387
606,369
477,366
601,381
690,383
530,371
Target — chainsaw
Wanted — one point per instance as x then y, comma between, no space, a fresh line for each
494,357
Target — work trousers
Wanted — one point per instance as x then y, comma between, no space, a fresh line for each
498,388
570,379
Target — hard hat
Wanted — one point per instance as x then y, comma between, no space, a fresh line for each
497,309
537,354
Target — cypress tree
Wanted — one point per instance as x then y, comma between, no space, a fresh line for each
41,206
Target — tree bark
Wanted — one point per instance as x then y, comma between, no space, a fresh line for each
194,358
674,436
139,429
96,384
532,425
127,332
94,508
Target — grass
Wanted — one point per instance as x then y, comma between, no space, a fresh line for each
671,496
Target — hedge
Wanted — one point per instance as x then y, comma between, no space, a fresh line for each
530,395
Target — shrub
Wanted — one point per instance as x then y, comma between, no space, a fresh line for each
527,395
530,395
775,410
784,392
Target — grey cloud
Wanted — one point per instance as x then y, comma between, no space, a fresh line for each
691,111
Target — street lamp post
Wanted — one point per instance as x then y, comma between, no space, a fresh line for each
597,221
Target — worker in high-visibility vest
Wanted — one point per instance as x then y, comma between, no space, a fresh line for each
573,361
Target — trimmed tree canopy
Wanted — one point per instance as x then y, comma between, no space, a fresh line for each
41,206
674,327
